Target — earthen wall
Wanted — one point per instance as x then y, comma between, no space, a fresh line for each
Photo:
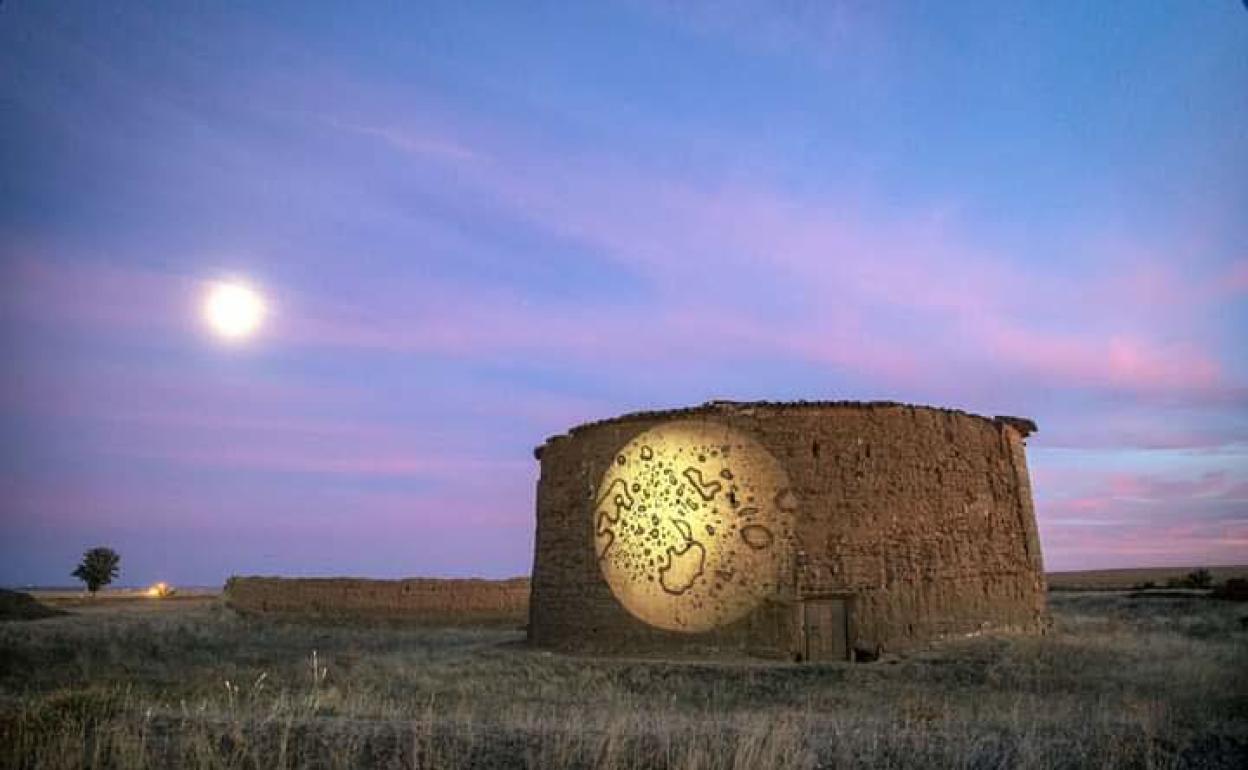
924,516
418,600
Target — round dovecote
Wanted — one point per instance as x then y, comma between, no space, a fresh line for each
809,530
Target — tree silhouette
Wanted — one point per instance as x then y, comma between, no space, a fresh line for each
97,568
1200,578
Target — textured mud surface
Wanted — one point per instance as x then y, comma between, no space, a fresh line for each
449,602
923,516
684,525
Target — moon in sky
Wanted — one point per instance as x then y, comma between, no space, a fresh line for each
233,310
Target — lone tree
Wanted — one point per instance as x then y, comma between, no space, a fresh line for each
98,568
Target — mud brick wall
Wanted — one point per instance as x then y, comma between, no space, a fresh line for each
923,515
419,600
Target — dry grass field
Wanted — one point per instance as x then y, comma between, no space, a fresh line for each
1120,682
128,600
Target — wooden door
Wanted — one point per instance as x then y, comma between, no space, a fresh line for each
825,629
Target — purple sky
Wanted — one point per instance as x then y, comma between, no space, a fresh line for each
478,226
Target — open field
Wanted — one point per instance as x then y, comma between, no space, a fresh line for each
1123,579
1120,682
110,600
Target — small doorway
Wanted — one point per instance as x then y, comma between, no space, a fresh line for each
825,624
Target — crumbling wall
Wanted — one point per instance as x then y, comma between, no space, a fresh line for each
923,515
417,600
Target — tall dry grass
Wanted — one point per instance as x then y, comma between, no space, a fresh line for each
1119,683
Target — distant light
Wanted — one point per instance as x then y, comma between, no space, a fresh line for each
160,591
233,310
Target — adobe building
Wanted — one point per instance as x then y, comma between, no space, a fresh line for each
804,531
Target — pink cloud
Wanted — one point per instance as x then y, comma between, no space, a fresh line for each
990,314
413,141
1159,549
161,506
360,447
913,308
1093,519
97,294
104,390
849,281
1235,279
1117,362
336,460
1154,489
1105,434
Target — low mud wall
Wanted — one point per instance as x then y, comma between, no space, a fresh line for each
417,600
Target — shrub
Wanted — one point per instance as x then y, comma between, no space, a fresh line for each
1200,578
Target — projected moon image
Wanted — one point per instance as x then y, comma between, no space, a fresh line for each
688,524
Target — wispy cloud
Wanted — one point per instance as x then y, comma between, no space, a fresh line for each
468,245
847,274
411,141
1092,518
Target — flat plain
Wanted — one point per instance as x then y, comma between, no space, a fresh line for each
1120,681
1123,579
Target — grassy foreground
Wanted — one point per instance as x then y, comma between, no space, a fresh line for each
1120,682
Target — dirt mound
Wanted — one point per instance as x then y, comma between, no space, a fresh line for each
15,605
418,600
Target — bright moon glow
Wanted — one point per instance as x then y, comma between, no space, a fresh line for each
233,310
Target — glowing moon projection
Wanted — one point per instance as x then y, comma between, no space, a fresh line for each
689,525
233,310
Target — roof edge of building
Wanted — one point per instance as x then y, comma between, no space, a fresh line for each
1023,425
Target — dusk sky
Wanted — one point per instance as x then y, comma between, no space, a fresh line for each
476,225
